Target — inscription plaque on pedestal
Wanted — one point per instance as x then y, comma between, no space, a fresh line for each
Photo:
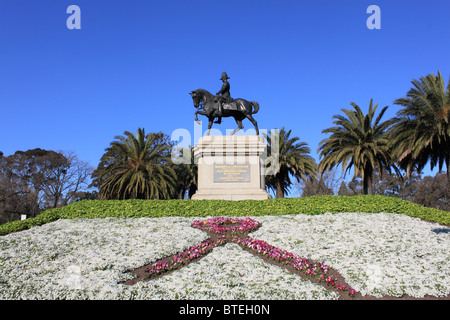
230,168
231,172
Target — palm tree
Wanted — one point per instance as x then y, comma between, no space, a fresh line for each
421,131
293,160
137,168
357,141
187,173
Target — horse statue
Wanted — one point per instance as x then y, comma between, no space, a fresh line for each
239,109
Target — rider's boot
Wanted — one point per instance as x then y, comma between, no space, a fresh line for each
219,118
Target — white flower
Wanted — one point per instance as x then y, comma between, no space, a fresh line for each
377,254
375,276
73,280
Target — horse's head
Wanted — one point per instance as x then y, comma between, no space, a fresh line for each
196,98
201,97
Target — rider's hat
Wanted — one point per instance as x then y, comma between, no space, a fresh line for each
224,76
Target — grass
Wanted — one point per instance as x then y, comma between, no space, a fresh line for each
89,209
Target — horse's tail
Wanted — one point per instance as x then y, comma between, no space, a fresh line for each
255,106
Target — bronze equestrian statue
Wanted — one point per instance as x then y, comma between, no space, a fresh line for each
223,96
222,105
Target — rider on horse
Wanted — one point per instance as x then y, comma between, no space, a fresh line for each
223,96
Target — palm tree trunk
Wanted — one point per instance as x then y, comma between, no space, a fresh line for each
280,192
192,190
448,167
367,181
447,162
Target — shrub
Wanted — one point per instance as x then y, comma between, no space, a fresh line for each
89,209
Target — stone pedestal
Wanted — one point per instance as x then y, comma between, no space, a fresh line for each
230,168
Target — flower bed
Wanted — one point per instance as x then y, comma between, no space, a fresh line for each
235,230
381,254
314,269
225,225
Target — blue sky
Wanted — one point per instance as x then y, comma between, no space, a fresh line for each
133,63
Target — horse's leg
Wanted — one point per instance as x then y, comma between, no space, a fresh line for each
210,123
196,118
249,117
200,112
240,126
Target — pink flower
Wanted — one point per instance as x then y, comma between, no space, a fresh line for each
340,287
330,280
229,230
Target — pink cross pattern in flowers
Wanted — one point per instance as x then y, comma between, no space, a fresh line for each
236,230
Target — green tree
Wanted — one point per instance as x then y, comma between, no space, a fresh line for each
393,185
421,130
293,160
315,187
34,180
343,191
137,167
326,183
187,173
433,192
358,141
